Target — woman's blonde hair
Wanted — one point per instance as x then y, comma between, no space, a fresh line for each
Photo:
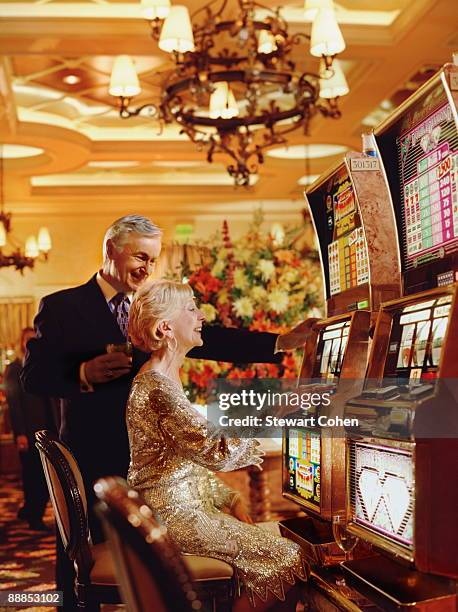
155,302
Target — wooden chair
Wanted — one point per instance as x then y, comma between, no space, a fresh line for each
95,576
149,565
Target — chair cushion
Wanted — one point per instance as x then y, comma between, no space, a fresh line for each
201,568
103,571
207,568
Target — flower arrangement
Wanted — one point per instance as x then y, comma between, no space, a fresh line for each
260,282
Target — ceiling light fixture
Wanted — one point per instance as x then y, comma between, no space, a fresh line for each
235,89
71,79
35,248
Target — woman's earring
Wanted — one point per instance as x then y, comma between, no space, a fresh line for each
169,343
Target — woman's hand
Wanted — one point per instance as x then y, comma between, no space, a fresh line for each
240,511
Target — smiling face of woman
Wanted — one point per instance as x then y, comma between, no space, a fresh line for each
186,325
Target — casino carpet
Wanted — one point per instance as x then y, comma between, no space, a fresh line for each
26,557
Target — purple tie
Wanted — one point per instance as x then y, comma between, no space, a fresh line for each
119,306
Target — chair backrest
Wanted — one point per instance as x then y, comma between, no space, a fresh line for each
150,570
68,498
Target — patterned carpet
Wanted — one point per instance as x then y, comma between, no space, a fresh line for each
26,557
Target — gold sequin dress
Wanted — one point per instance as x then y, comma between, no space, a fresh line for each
173,448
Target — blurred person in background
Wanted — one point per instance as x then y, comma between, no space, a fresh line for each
28,413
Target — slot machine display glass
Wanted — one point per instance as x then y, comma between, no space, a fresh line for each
343,245
420,155
303,457
382,490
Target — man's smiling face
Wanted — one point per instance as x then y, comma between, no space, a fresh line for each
131,266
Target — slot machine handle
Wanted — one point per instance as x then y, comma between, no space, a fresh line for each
344,540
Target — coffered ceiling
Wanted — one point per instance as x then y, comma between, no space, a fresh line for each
55,62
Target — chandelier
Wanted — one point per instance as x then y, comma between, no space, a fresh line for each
35,247
235,89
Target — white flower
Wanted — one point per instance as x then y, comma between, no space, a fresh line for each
240,279
209,312
290,276
243,307
267,268
218,268
258,293
278,300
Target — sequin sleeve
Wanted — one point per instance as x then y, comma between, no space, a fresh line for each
223,496
197,439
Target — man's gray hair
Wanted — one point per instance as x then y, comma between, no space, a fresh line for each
119,231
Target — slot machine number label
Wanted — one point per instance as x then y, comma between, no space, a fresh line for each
444,167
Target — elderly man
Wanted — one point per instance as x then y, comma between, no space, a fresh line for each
68,358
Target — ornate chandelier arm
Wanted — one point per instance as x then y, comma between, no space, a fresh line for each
17,260
331,109
125,112
207,6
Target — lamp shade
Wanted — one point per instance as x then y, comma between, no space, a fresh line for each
266,42
333,83
155,9
2,235
326,37
176,34
218,100
222,102
311,8
124,80
44,240
31,247
231,110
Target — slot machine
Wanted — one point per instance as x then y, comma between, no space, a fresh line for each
352,215
402,459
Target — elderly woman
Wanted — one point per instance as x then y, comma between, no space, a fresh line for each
174,449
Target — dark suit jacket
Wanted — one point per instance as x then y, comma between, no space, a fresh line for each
75,325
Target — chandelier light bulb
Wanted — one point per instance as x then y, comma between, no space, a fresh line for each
44,240
155,9
124,80
333,83
2,235
266,42
31,247
326,37
177,32
311,8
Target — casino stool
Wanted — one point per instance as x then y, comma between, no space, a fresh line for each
95,574
148,563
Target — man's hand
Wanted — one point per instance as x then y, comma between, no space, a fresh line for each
22,443
297,336
107,367
240,512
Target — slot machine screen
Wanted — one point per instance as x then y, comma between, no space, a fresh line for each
342,241
416,339
331,350
424,187
302,466
382,490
